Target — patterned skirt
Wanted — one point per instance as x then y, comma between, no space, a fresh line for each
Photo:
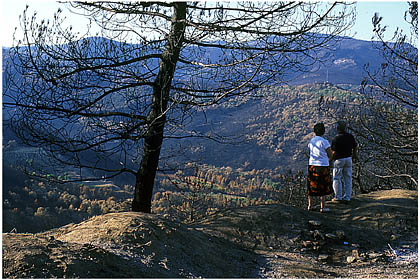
319,181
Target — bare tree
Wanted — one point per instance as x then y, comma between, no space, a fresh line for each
120,97
395,131
193,198
385,120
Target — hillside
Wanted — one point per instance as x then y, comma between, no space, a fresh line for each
268,132
275,240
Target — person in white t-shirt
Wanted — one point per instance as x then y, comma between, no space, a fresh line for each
319,181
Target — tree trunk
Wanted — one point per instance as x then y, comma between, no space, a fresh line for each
145,178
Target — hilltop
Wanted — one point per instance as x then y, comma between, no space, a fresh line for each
275,240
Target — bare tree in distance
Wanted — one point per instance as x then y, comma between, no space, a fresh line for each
75,95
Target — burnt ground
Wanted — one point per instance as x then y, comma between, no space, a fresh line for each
358,240
375,236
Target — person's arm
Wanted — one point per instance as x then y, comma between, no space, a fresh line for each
355,153
354,150
330,154
333,144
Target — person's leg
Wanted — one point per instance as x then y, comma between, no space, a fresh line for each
337,179
347,179
323,208
309,202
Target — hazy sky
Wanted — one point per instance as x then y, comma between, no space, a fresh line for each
391,11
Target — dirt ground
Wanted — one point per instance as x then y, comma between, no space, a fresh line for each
372,237
370,226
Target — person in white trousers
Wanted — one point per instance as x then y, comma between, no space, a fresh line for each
344,149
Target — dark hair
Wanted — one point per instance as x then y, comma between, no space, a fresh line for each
341,126
319,129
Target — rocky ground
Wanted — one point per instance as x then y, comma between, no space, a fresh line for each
375,236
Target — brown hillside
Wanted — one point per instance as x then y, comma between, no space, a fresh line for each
255,242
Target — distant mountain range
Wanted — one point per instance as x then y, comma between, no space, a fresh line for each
345,64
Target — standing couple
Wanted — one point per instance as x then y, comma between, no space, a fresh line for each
323,155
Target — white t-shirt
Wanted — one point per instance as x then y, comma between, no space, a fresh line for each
318,151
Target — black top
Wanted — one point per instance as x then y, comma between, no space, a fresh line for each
343,145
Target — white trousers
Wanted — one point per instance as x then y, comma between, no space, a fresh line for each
342,179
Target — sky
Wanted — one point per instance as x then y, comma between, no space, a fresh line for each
391,11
